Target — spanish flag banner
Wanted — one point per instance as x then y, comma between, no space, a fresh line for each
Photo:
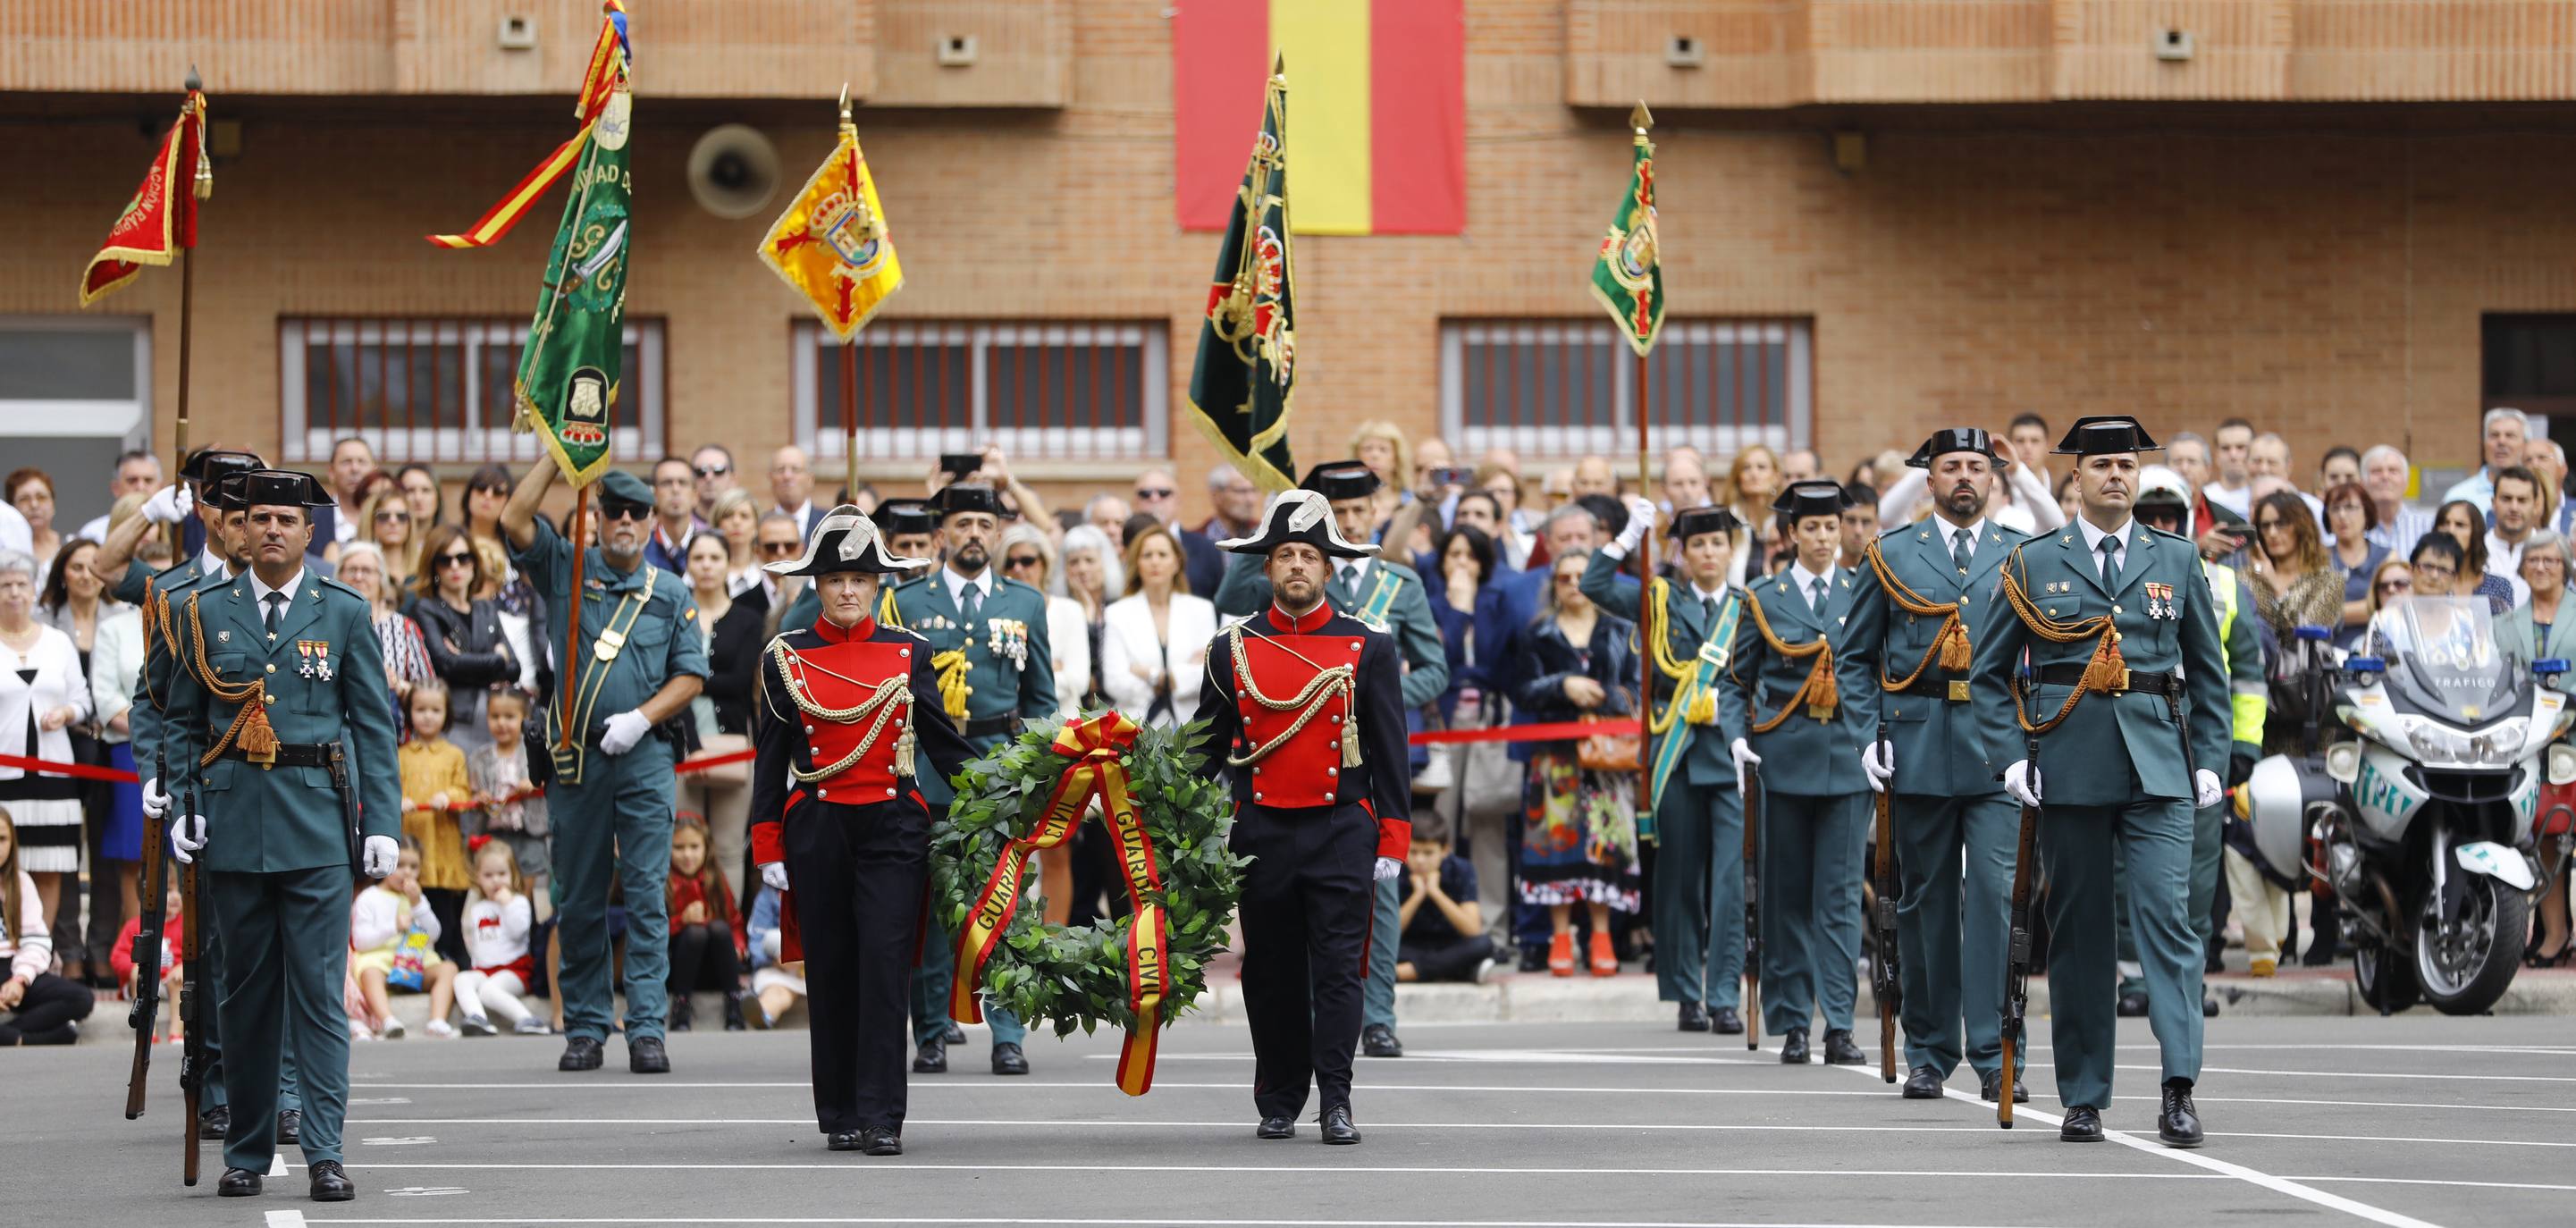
832,245
603,100
1627,276
162,218
1382,137
1245,372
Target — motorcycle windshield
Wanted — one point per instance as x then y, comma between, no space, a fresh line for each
2442,657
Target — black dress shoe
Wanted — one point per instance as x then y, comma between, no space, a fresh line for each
2133,1005
1008,1060
214,1123
1276,1127
681,1018
644,1055
2178,1120
330,1184
952,1034
1793,1051
2208,1007
1694,1017
1533,959
880,1141
931,1057
1338,1129
581,1053
2080,1125
1923,1084
1840,1051
237,1183
1992,1081
1726,1022
842,1140
290,1126
1378,1040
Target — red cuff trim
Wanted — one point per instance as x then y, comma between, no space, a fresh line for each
1394,838
766,844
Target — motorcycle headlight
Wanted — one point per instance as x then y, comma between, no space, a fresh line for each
2501,745
2343,761
2562,764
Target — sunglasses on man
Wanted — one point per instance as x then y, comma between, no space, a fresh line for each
712,471
619,509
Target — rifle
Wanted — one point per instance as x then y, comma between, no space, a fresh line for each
2017,947
1885,985
1753,806
192,1003
146,1011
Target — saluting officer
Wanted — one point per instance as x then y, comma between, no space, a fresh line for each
1904,655
2129,710
1390,597
988,642
1304,711
1699,813
130,581
851,706
640,662
278,699
1782,680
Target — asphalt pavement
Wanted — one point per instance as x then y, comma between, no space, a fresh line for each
2398,1122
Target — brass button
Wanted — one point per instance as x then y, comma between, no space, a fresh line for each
1328,795
2115,609
268,699
889,790
272,669
1332,771
1256,795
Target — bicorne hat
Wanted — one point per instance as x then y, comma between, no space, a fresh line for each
1957,439
2105,434
1341,479
1812,497
1301,515
844,540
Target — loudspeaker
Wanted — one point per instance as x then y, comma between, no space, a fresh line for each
733,171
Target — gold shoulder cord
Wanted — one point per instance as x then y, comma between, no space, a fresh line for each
1950,643
1701,708
250,722
1816,690
885,700
2101,673
1308,700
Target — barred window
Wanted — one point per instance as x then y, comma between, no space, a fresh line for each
1561,388
1058,390
439,390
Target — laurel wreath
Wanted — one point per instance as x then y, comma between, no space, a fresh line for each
1077,975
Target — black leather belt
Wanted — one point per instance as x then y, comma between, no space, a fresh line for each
989,726
1949,690
2063,674
290,754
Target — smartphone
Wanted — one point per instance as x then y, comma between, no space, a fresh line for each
1450,475
962,464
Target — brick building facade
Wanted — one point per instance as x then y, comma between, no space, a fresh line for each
1940,211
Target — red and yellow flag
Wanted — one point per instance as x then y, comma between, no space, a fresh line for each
162,218
600,101
832,243
1380,144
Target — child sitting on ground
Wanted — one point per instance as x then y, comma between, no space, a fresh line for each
706,930
121,957
435,791
497,919
775,986
1443,934
385,954
507,808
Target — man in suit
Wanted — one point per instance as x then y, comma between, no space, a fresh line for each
1902,666
1390,597
1699,814
674,523
987,637
1782,680
276,780
2127,708
1307,718
791,487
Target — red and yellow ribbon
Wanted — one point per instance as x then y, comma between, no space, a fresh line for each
607,70
1094,745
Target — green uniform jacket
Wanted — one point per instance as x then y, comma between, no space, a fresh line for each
1009,669
271,820
1938,750
1803,757
654,651
143,720
1246,592
2081,761
1705,762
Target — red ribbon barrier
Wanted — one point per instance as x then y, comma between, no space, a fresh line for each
1557,731
77,771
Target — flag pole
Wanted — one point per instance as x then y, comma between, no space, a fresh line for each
572,612
187,311
1647,623
849,350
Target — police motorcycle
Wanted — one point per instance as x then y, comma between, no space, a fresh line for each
2420,823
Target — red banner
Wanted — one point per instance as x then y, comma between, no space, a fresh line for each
161,220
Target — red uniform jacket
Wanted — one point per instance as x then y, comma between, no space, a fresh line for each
1307,773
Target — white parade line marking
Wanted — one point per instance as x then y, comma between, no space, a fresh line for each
2474,1185
285,1219
1193,1222
875,1171
2372,1074
1228,1124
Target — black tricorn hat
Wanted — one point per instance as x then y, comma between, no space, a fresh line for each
1694,521
281,488
1341,479
895,517
207,464
224,492
1957,439
1300,515
2105,434
1813,497
965,497
845,539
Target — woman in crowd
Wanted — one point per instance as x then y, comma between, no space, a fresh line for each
43,694
362,567
73,603
2466,525
2393,580
467,649
419,487
32,492
1469,603
1093,577
731,628
116,813
737,520
1513,527
1578,840
1382,447
1154,641
45,1009
2541,630
2350,516
1028,557
384,521
2294,584
1752,481
2436,566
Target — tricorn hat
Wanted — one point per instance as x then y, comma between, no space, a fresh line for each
1694,521
845,539
1300,515
1341,479
965,497
896,517
1957,439
207,464
224,492
279,488
1812,497
2105,434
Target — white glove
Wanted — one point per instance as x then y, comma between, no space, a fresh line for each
1641,517
187,837
1389,867
2204,789
1743,753
156,804
624,730
170,504
2022,781
1878,763
774,873
379,856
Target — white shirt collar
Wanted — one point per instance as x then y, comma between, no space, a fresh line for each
1356,569
1950,534
1806,580
259,591
800,511
210,563
2093,536
957,584
1708,594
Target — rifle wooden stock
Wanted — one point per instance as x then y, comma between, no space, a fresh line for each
146,1011
192,1004
2017,946
1753,806
1885,983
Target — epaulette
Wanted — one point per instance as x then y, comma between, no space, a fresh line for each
331,582
2195,546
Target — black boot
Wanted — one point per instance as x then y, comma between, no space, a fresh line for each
733,1012
681,1019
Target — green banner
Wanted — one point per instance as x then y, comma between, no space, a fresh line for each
1628,275
568,378
1245,372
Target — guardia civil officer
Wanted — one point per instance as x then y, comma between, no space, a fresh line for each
277,698
2129,711
1902,666
1305,715
987,635
129,580
850,707
1389,597
1782,679
1699,814
639,663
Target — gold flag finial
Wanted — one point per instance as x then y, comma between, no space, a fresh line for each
1641,119
845,104
1279,69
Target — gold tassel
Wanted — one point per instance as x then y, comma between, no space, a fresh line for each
1351,739
1702,710
2103,672
1821,694
1955,653
952,681
258,740
903,745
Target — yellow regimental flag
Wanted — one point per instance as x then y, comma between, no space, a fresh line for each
832,243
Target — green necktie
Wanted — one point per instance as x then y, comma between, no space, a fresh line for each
1959,552
2110,549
